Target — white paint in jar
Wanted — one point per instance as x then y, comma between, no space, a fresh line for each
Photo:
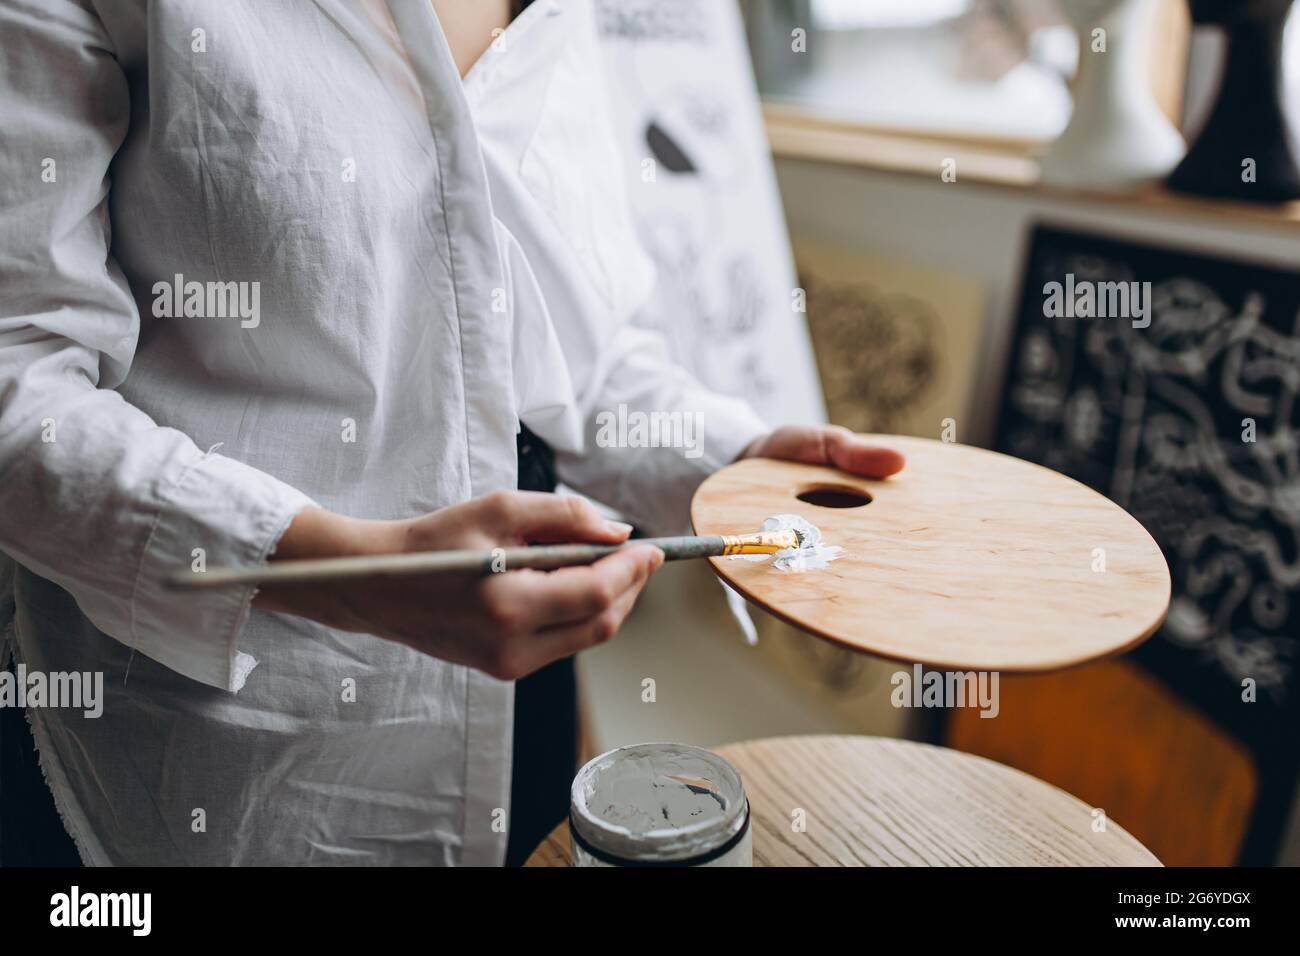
659,804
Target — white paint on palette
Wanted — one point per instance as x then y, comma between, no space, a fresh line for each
811,555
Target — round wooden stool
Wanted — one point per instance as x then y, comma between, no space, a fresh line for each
871,801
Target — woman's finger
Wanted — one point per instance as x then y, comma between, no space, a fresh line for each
565,640
532,600
535,516
831,445
850,453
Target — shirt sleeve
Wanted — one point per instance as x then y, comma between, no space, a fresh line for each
94,495
653,433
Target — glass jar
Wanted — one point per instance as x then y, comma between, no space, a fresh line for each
659,805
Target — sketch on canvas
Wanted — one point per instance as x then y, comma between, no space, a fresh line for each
705,201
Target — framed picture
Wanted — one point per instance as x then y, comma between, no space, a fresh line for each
1181,406
897,343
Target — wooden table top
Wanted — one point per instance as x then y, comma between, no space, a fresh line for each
872,801
967,559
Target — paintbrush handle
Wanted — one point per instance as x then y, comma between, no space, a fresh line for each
538,557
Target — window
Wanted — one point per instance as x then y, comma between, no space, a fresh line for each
987,69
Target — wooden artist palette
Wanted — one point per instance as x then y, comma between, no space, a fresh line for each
967,559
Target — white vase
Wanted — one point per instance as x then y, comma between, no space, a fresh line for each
1118,136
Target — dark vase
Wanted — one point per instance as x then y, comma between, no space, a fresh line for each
1250,119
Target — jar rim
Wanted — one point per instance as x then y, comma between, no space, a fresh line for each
661,844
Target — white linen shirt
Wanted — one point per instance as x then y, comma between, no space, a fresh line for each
325,156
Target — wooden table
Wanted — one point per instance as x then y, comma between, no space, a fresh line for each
871,801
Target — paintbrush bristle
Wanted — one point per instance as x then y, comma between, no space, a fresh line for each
762,542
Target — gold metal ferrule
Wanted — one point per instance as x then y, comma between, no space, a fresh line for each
766,542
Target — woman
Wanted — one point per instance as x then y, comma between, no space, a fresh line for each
313,279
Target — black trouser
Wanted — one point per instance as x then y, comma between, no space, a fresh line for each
546,712
545,747
31,833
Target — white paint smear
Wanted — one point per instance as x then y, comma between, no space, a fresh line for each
812,555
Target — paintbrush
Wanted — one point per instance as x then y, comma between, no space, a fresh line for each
538,557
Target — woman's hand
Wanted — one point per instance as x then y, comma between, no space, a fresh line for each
506,624
827,445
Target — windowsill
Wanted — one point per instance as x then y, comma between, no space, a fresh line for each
1005,164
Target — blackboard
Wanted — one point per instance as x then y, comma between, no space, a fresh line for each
1190,423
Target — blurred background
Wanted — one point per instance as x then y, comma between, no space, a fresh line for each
878,190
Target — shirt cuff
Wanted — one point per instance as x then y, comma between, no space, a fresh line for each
659,498
730,426
220,512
